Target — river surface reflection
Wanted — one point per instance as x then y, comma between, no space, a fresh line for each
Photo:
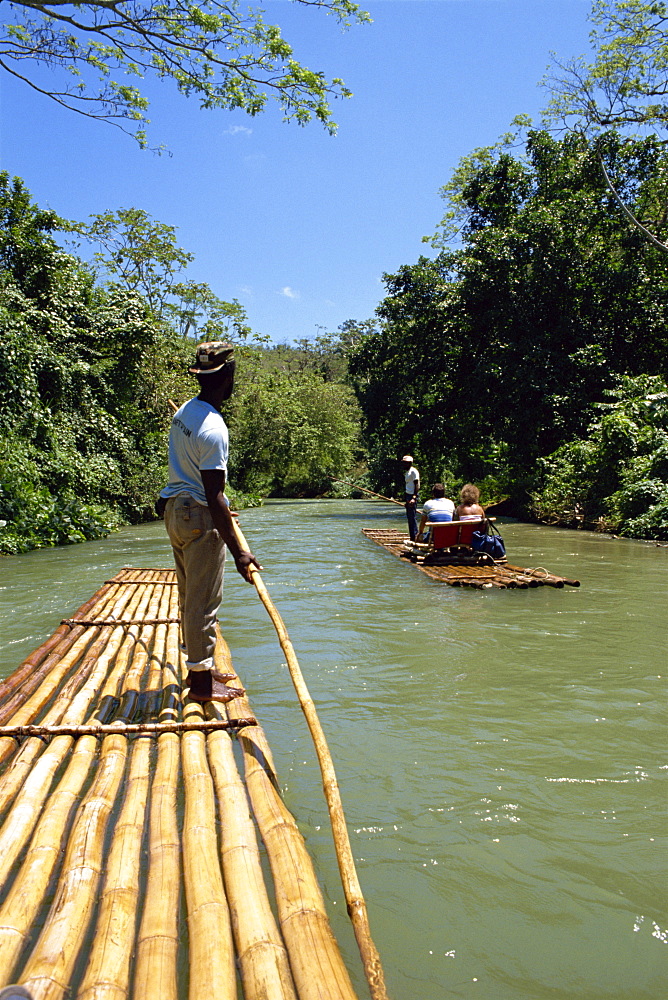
500,754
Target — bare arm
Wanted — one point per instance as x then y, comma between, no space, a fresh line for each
214,488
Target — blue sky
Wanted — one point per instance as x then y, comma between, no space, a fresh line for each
297,225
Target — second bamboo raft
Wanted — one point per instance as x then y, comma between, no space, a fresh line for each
130,860
501,576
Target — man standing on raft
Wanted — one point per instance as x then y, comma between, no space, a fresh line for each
412,477
198,519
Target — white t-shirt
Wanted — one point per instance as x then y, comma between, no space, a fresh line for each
411,476
438,506
198,439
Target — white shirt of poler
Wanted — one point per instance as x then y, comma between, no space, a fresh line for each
438,503
198,439
411,476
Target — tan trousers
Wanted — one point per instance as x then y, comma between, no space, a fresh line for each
199,554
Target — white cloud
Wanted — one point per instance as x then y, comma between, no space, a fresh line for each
289,293
238,130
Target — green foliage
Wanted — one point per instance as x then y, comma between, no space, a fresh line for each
86,373
625,88
617,475
34,516
627,83
136,251
81,429
290,432
223,54
489,358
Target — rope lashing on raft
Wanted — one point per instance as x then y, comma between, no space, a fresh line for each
139,728
121,621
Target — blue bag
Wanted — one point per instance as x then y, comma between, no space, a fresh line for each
491,544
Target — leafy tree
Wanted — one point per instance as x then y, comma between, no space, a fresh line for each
490,357
197,312
289,431
78,376
222,53
616,476
136,251
624,88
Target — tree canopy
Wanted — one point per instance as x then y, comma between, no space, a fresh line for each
223,54
489,358
625,88
87,368
626,85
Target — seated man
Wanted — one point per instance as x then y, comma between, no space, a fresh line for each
439,508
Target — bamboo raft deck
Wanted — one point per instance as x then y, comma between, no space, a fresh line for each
130,866
500,576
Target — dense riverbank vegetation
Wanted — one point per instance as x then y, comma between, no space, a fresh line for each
90,358
530,359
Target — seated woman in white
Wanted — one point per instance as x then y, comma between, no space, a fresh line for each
439,508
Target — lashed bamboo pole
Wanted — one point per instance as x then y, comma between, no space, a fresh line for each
157,944
48,972
25,899
129,729
61,640
263,959
212,968
353,894
108,970
107,974
93,669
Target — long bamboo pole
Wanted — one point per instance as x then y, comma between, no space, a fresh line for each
354,899
315,959
363,489
25,898
108,970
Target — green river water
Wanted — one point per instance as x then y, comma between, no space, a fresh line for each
501,755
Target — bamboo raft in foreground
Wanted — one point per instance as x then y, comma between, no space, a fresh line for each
500,576
130,866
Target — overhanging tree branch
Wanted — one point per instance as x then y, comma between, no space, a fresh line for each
223,53
629,215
